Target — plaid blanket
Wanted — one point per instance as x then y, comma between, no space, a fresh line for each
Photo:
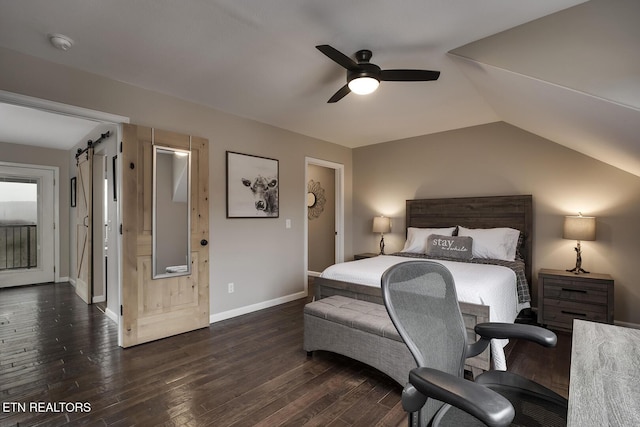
517,266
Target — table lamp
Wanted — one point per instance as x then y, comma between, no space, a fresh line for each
381,224
579,228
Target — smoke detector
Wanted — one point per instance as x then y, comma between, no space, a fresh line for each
60,41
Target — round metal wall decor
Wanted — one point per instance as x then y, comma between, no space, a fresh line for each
315,199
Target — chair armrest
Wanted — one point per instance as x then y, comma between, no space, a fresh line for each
532,333
483,403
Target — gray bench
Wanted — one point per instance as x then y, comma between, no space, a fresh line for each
360,330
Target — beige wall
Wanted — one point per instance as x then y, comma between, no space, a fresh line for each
47,157
263,258
499,159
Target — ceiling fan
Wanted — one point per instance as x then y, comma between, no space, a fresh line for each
364,77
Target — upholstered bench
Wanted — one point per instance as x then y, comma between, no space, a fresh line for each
360,330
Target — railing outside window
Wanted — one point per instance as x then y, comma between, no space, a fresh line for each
18,246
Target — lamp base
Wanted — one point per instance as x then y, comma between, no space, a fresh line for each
577,270
382,244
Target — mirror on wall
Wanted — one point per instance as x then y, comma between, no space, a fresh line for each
171,207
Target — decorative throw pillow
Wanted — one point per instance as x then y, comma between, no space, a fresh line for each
520,246
458,247
494,243
417,238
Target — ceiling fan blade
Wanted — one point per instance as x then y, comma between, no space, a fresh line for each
338,57
409,75
344,91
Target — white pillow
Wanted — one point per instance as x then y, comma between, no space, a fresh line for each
494,243
417,238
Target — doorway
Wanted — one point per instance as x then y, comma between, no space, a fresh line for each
324,215
56,116
28,218
103,224
100,229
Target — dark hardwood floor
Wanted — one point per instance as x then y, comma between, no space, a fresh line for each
246,371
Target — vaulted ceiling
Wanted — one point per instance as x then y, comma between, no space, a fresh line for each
567,70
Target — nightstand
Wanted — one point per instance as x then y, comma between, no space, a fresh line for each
364,255
564,296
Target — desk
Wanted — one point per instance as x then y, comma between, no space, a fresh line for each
604,387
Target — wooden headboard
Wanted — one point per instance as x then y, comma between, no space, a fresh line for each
478,212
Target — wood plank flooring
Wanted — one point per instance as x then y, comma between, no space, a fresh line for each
247,371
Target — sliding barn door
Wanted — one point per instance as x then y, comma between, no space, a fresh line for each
84,203
158,308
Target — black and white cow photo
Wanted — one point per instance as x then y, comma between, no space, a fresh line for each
252,186
265,193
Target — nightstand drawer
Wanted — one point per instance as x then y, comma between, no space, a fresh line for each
561,313
575,291
588,311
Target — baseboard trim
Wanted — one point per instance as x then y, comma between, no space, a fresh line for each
626,324
72,281
98,299
111,315
63,279
218,317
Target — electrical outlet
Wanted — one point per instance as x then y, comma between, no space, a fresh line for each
231,287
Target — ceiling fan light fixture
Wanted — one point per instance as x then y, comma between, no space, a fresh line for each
363,77
363,85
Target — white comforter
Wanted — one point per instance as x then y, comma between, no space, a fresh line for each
482,284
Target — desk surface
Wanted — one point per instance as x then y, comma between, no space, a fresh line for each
604,387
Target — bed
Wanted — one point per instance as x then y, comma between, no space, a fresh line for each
361,279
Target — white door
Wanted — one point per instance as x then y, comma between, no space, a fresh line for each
27,224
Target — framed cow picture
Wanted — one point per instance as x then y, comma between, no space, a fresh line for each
252,186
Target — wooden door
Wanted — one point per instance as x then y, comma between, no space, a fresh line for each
154,309
84,201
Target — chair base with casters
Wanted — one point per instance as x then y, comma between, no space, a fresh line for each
421,299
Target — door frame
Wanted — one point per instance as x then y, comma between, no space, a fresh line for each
100,218
60,108
339,212
56,203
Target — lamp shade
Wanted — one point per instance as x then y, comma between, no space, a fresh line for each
381,224
579,228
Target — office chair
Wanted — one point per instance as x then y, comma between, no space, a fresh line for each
421,299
